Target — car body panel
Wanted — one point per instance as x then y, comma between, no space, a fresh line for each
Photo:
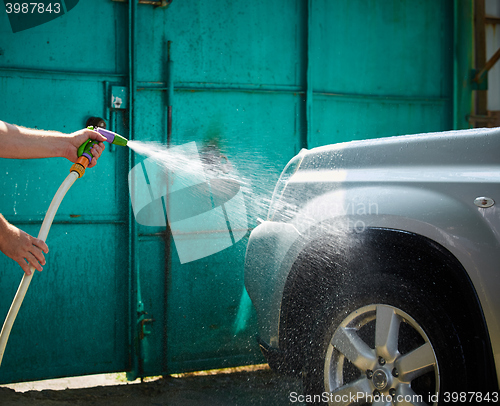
424,184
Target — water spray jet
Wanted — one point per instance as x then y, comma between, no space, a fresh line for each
77,170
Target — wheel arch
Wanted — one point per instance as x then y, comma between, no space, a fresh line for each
315,275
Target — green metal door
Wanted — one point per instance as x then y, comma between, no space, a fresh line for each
231,82
381,68
256,81
75,317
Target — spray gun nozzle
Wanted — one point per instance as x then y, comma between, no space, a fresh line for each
84,149
111,137
119,140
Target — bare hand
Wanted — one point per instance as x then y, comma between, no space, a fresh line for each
78,138
22,247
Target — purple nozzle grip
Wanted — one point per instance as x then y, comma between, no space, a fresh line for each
89,156
110,136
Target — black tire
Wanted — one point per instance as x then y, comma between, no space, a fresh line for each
367,305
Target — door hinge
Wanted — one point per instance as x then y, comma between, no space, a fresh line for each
156,3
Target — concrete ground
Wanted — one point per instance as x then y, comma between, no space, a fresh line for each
244,388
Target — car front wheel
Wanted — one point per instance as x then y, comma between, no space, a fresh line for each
382,344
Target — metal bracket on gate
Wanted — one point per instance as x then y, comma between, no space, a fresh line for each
156,3
142,325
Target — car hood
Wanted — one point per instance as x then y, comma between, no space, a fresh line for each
475,146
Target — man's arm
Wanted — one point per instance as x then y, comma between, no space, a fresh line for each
24,143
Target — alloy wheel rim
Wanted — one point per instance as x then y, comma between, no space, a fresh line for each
380,354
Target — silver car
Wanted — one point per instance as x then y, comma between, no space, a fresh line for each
376,275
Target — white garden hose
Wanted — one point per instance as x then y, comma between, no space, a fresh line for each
25,282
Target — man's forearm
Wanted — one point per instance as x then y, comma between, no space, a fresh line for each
23,143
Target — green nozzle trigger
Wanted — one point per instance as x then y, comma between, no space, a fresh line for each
87,145
110,136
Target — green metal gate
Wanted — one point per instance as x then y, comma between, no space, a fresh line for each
259,80
75,317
